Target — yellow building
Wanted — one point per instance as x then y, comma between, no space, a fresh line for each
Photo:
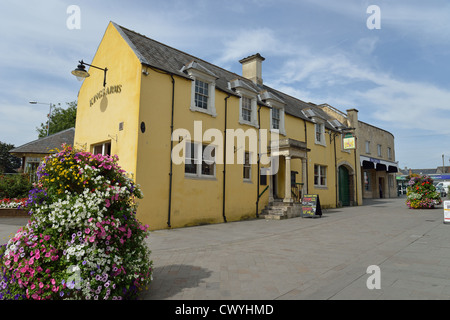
196,137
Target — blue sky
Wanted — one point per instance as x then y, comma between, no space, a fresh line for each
321,51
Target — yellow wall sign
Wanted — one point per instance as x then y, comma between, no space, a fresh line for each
349,142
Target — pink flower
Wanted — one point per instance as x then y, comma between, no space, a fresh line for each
46,237
41,285
87,230
7,262
91,239
107,203
53,281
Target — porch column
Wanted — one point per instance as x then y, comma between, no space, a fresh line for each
304,176
287,180
270,177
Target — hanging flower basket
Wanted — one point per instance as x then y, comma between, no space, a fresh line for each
421,193
83,240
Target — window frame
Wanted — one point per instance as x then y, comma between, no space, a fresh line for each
105,145
320,133
199,160
196,75
248,166
320,176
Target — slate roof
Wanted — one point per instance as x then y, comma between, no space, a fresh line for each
158,55
44,145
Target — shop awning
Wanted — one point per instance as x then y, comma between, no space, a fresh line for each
378,164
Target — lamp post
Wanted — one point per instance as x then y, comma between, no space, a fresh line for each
81,73
49,112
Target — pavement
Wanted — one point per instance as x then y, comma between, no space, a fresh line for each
327,258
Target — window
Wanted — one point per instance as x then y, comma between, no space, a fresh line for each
379,150
275,118
368,147
201,94
320,133
247,167
246,109
389,153
320,175
367,181
200,162
102,148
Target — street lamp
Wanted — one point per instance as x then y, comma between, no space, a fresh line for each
81,73
49,113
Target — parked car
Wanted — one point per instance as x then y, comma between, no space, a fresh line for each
441,191
443,185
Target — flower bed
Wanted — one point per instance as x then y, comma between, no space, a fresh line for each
83,240
421,193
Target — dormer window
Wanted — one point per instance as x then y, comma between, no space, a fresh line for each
247,103
203,88
320,133
276,118
276,112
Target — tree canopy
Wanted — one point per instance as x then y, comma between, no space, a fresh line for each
60,119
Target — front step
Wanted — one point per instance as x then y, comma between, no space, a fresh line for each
279,210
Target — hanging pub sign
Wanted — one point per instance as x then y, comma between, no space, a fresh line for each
311,206
349,141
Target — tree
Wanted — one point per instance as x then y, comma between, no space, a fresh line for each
8,162
60,119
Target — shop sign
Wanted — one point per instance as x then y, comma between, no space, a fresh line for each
104,92
349,142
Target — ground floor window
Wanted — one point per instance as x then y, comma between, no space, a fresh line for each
367,181
102,148
247,167
320,175
200,160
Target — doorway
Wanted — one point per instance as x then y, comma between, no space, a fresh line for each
344,186
381,187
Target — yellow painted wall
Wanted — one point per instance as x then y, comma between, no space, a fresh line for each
99,122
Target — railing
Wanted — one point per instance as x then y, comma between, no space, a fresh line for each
296,192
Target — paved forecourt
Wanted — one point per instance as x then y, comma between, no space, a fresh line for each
303,258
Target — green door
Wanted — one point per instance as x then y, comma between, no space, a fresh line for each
344,186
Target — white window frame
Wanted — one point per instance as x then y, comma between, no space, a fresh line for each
103,145
320,175
321,126
247,165
199,154
389,153
379,150
367,147
211,81
254,107
280,108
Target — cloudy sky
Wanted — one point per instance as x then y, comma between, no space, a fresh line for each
397,75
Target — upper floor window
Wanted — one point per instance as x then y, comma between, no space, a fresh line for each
368,147
246,109
389,153
275,118
201,94
379,150
320,133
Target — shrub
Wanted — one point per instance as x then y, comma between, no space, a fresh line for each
14,186
83,240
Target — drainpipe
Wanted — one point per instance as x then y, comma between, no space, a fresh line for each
258,160
306,141
336,171
224,159
171,147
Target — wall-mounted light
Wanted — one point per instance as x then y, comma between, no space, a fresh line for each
81,73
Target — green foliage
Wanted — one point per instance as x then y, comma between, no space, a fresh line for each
8,162
14,186
61,119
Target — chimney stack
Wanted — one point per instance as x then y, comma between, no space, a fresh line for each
252,69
